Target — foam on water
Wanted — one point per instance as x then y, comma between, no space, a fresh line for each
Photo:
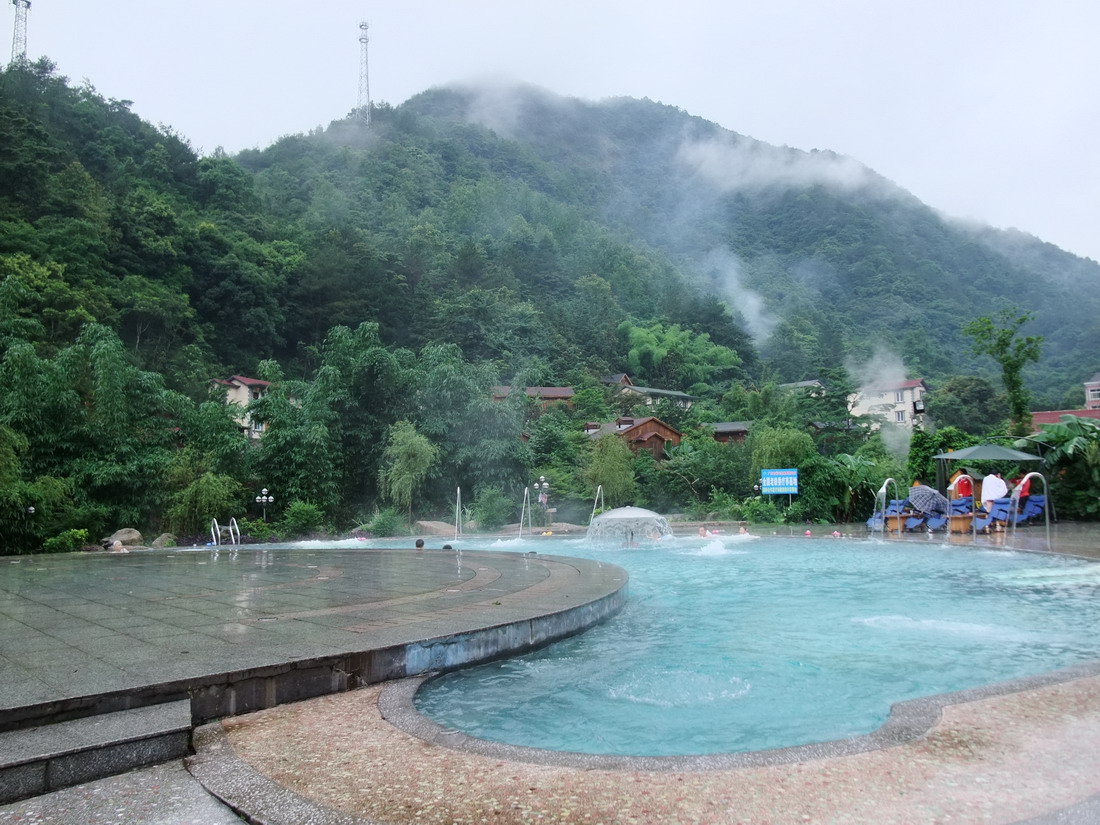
936,626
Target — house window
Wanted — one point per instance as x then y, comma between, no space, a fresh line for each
257,395
257,426
899,396
899,416
1094,393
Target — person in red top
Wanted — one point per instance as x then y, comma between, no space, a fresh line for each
1025,491
964,486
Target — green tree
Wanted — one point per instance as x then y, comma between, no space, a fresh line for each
672,357
997,339
968,402
1074,461
612,466
775,448
407,461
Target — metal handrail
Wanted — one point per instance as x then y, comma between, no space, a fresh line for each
881,495
598,502
1016,503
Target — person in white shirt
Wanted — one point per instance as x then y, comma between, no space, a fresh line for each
993,486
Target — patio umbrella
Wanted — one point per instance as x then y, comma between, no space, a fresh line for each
988,452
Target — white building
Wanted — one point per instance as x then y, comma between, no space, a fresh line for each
901,403
241,391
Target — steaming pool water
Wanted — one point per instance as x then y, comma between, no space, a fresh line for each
741,643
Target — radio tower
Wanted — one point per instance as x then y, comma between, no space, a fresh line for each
19,39
363,110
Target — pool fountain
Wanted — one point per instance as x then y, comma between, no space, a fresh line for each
627,526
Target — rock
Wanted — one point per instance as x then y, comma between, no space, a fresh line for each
164,540
127,535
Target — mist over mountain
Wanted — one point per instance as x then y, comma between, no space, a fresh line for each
821,257
534,231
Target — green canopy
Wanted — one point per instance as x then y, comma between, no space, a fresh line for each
988,452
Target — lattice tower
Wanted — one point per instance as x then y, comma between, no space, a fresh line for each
363,109
19,39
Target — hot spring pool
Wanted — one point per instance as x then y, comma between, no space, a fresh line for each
743,644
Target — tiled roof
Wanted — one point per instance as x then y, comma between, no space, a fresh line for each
250,382
1054,416
730,426
903,385
549,393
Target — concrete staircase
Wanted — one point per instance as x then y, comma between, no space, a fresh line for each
48,757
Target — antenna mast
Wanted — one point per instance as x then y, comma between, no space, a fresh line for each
363,110
19,39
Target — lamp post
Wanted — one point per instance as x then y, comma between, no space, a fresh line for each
265,498
543,486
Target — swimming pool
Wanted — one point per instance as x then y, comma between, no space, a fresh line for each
741,644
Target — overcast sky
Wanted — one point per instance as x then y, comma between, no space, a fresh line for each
984,109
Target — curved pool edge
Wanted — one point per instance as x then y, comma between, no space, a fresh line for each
908,721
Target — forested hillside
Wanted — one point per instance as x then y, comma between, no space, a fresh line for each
393,274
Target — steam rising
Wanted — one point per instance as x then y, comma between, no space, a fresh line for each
884,370
724,269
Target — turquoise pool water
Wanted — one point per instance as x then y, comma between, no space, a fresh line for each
739,644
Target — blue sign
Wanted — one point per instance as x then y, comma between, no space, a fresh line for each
779,481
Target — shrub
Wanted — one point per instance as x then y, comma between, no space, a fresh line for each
300,518
386,522
209,496
491,509
66,542
257,529
761,511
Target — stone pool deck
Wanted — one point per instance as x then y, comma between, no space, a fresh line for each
248,630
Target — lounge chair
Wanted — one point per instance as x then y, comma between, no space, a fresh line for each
999,513
915,520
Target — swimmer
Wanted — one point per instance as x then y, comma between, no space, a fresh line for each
742,531
703,532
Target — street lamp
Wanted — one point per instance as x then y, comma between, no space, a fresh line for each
265,499
543,487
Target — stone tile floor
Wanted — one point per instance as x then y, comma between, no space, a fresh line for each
1005,759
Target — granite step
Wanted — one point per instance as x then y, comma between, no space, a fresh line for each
38,760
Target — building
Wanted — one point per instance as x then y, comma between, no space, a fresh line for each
1091,410
242,391
900,403
647,395
727,431
1054,416
544,396
813,387
651,434
1092,393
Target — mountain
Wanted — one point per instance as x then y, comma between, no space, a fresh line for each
545,235
822,258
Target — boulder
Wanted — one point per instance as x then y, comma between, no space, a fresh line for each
127,535
164,540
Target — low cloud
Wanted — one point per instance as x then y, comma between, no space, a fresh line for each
737,164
